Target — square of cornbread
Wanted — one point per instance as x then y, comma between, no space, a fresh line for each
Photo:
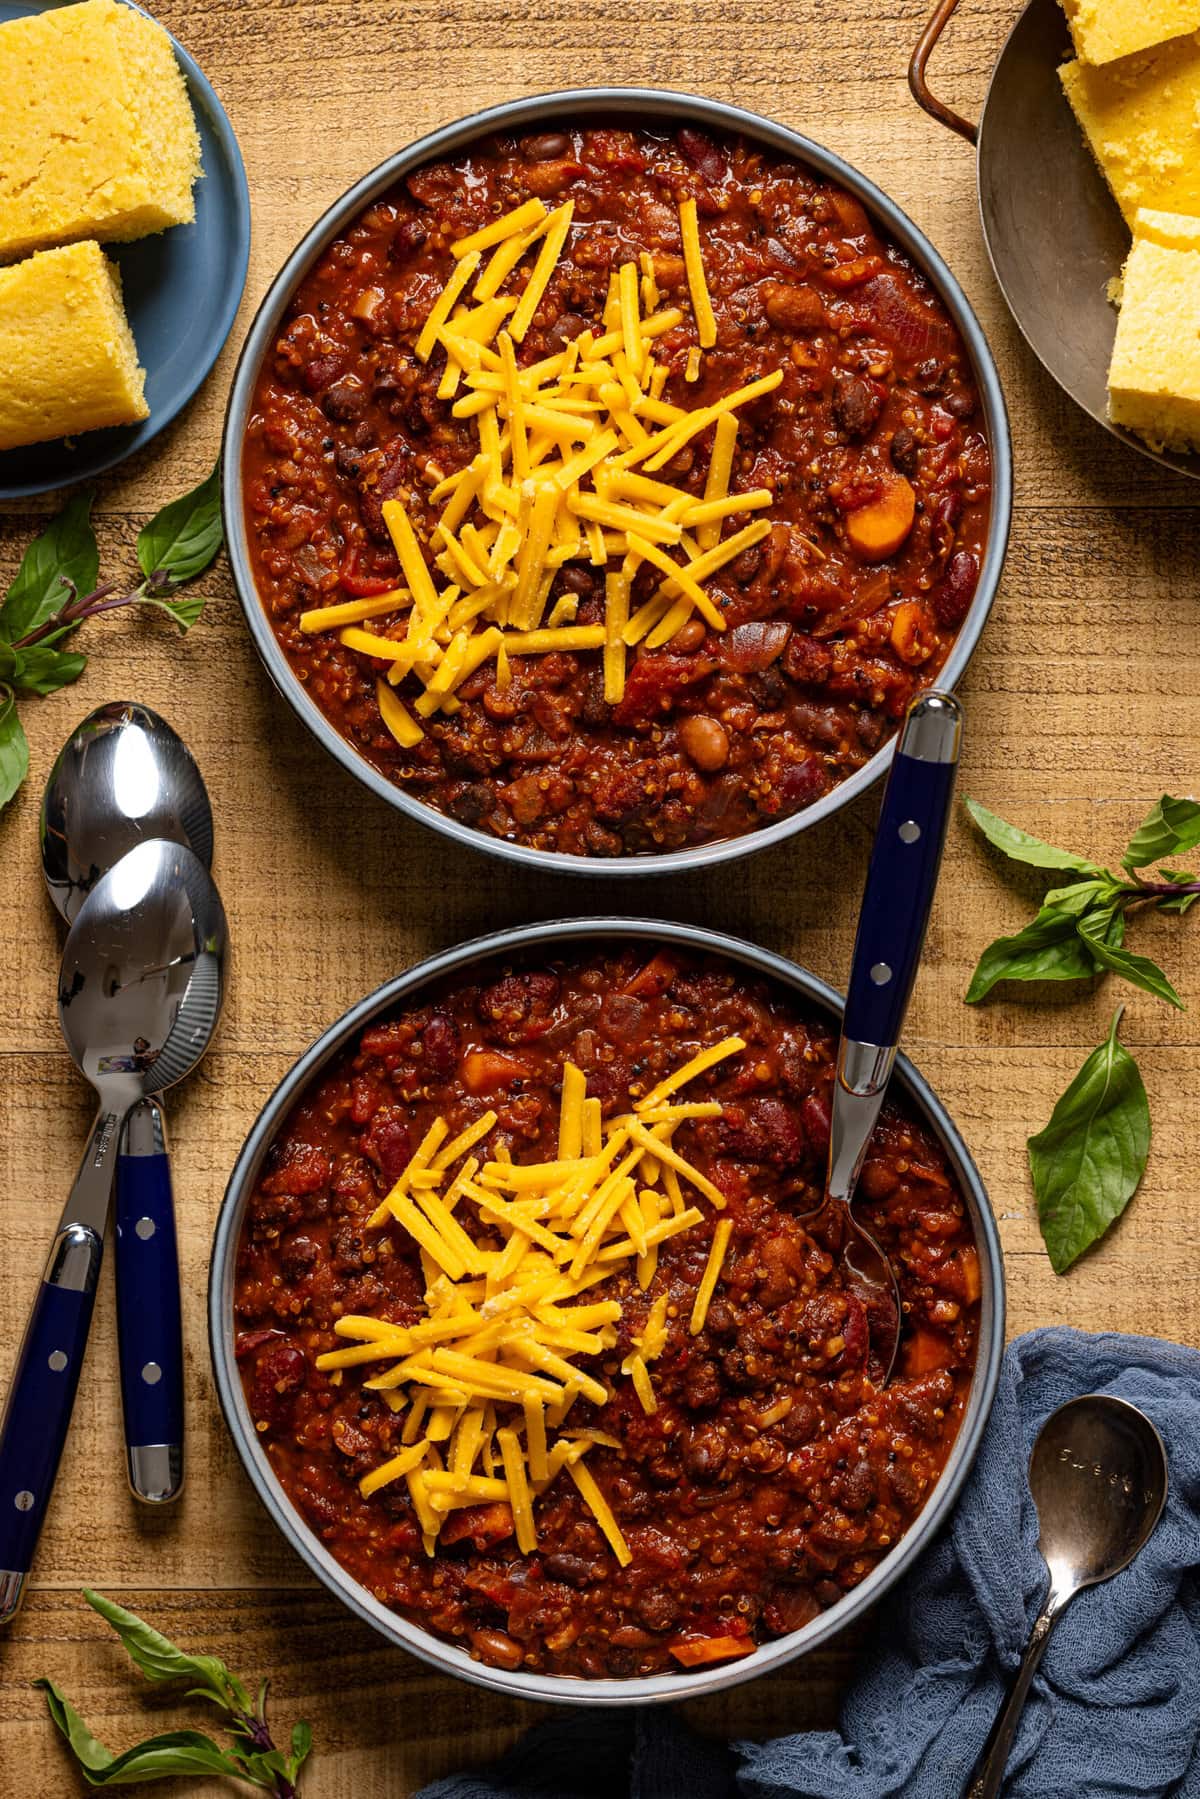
97,137
70,363
1154,377
1102,30
1141,118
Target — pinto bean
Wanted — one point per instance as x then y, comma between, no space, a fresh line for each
690,635
791,307
494,1647
706,741
546,146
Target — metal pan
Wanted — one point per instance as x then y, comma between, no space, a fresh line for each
1053,231
464,963
641,106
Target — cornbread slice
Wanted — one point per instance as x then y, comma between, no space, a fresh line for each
1141,118
70,363
97,137
1154,377
1102,30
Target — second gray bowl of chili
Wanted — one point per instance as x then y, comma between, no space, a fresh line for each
871,456
737,1488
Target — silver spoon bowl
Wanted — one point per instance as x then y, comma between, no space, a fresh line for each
139,993
123,777
1098,1477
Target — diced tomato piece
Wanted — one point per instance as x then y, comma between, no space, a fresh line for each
653,980
484,1524
361,586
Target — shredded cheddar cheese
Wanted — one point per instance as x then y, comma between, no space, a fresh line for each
510,1251
706,324
569,450
712,1274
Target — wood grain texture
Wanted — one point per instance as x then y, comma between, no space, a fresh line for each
1081,710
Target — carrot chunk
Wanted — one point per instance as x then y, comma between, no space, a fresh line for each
876,531
485,1069
710,1649
924,1351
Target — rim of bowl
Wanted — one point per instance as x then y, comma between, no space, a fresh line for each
557,1688
656,103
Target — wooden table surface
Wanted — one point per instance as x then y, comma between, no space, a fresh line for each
1081,710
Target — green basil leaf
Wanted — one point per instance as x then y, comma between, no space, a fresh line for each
1087,1163
160,1660
174,1752
1185,901
64,557
14,747
182,539
1019,846
1095,931
185,610
261,1766
43,669
1169,828
1048,949
301,1747
1079,897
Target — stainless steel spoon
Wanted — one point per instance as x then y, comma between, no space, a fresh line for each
124,777
139,993
1098,1476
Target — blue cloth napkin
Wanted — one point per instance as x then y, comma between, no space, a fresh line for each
1114,1713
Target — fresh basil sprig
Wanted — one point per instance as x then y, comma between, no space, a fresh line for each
57,587
1080,929
251,1757
1087,1163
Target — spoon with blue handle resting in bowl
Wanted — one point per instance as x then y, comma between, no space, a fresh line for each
901,879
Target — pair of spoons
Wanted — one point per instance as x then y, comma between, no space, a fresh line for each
140,991
1098,1472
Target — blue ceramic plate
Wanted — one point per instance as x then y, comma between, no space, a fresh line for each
182,291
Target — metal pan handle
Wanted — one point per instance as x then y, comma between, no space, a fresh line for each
937,109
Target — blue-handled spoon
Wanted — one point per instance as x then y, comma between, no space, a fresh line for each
124,777
892,921
139,993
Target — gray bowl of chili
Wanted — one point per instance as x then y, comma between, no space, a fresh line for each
656,109
461,964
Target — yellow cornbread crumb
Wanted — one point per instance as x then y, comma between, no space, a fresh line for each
70,363
1141,118
97,138
1102,30
1154,377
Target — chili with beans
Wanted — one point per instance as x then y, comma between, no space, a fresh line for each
872,447
773,1475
